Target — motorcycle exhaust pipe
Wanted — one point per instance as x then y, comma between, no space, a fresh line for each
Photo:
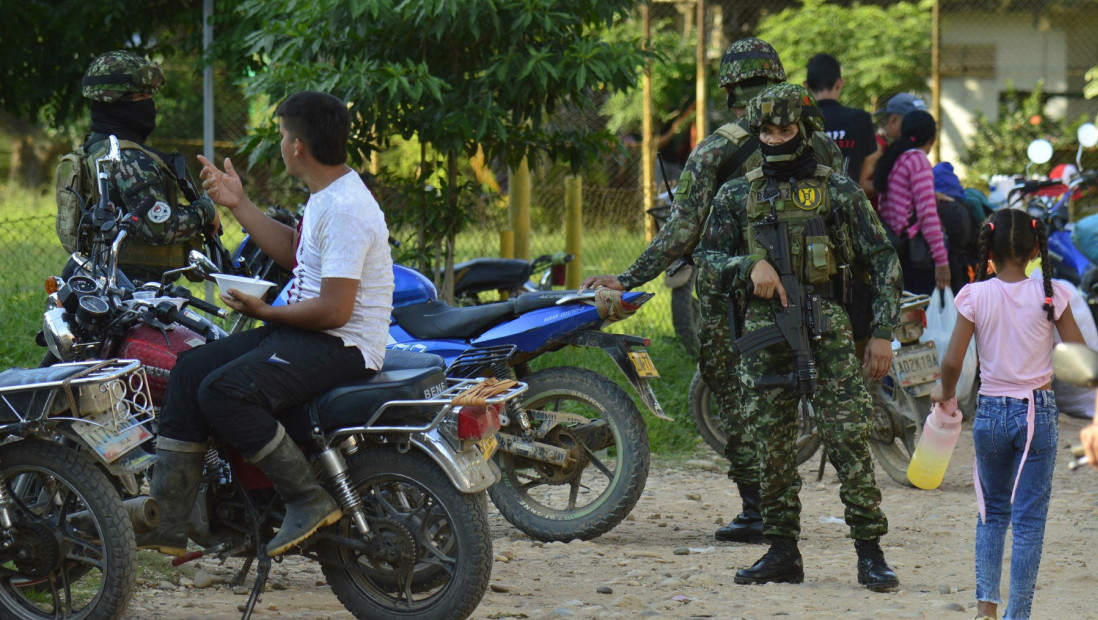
143,511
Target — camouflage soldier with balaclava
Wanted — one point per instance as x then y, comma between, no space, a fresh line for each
747,67
120,86
831,230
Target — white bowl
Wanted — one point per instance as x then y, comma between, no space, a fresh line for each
249,286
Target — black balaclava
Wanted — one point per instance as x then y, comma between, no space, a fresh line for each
129,120
791,159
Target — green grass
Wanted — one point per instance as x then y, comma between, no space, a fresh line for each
31,252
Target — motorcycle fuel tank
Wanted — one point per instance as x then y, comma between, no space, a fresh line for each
158,351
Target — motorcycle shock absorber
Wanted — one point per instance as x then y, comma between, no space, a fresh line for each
335,468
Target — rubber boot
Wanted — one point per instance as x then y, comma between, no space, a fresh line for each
174,485
781,564
747,527
308,506
873,572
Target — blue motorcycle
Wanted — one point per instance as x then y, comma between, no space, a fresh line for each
574,454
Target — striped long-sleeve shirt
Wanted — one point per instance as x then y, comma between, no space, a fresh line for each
911,186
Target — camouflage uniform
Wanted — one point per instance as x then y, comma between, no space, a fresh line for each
842,404
745,59
144,175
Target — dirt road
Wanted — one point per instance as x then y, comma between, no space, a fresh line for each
663,563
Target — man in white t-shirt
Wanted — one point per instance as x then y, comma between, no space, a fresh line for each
249,387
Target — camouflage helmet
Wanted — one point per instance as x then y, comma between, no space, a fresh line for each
785,104
119,75
750,58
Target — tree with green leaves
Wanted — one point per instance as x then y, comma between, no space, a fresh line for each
456,74
883,49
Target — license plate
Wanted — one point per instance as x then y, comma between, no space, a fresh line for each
111,444
917,365
643,363
488,446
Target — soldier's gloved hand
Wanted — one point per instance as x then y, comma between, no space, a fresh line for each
767,282
602,281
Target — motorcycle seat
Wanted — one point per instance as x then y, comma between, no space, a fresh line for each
434,319
19,377
486,274
405,375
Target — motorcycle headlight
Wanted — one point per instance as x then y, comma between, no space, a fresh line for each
59,338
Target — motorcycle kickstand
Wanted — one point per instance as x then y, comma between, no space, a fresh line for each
261,573
823,462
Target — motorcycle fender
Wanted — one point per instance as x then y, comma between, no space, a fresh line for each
468,470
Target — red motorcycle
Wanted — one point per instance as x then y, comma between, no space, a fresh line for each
406,453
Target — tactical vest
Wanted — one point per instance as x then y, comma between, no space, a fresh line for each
817,255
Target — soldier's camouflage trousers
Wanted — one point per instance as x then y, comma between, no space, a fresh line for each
842,408
718,364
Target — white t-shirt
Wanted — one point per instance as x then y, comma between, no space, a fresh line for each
343,235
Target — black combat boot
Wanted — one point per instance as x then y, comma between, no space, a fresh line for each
781,564
747,527
174,486
873,572
308,506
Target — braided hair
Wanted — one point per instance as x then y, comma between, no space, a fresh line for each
1009,235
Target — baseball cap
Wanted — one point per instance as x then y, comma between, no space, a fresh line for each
901,104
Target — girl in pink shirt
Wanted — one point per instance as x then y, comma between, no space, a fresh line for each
1015,430
904,180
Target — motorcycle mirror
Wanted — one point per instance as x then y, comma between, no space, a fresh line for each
1039,151
1088,135
1075,364
201,264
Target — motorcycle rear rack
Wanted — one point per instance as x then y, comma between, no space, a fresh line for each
99,385
472,362
444,400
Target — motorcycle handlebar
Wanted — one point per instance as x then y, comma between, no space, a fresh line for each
197,303
175,315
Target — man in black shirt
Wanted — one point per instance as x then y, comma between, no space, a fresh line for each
850,128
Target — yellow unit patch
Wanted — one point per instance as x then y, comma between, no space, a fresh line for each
808,196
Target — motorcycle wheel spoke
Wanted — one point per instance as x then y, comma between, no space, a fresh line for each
599,465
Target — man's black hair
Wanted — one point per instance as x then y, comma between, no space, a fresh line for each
823,72
319,120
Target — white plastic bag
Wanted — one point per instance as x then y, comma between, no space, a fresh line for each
1076,401
941,316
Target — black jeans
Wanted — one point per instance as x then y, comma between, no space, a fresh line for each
242,387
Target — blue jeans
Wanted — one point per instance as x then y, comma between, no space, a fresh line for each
999,434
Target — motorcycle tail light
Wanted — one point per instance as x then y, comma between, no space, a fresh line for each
558,275
478,422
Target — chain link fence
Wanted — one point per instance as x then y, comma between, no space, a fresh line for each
1019,44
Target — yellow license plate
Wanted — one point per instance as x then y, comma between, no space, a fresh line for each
643,363
488,446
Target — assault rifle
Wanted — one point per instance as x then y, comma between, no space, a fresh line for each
797,324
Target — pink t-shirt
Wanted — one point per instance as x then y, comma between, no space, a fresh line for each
1013,333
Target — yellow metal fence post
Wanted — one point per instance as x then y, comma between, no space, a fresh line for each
573,229
520,188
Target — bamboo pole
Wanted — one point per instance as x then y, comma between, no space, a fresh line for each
936,76
701,99
573,229
648,143
520,209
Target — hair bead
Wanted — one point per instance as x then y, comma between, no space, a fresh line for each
991,225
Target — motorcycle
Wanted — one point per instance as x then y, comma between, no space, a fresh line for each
574,453
70,440
407,454
901,401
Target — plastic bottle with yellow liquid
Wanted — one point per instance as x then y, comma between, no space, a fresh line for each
935,447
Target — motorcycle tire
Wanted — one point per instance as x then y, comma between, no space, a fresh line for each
684,317
703,410
86,568
581,501
410,502
898,419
